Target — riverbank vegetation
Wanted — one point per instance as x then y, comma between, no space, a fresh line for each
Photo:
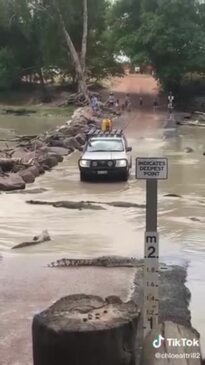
75,42
167,34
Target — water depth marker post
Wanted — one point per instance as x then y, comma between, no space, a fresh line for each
151,170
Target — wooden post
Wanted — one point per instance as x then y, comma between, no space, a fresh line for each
81,329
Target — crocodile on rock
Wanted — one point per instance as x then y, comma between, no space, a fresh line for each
104,261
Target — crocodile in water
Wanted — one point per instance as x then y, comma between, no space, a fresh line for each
104,261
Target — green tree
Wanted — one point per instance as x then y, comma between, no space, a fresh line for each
166,33
48,35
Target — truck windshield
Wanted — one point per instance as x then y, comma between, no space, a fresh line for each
105,145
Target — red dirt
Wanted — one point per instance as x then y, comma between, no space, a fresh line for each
138,85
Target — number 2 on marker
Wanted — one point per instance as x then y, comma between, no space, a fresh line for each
152,252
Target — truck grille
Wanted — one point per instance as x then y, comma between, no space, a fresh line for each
103,164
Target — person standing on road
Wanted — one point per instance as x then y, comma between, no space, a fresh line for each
117,105
94,103
170,99
128,103
155,104
111,100
140,101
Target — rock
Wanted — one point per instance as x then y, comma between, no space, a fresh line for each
194,219
37,144
188,149
56,135
43,237
59,158
27,176
81,138
45,167
41,169
34,170
60,151
65,130
72,143
11,182
172,196
75,129
45,151
49,161
23,154
57,143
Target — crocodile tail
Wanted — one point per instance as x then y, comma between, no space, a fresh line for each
52,264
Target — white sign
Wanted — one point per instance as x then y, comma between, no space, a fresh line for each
151,282
151,168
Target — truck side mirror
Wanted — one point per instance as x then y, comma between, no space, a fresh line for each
129,149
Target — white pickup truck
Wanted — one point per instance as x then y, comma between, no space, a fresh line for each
105,154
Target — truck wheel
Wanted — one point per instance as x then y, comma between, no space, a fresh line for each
83,176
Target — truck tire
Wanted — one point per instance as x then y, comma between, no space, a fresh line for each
125,176
83,176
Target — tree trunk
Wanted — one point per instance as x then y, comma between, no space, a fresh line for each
41,80
85,35
86,330
45,96
82,88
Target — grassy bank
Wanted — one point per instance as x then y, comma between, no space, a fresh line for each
36,110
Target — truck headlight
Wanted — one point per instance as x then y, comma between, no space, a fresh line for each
121,163
84,163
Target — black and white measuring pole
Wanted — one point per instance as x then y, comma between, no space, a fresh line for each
151,170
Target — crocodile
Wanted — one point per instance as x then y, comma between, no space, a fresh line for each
95,205
104,261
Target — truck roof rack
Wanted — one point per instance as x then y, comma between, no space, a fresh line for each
96,132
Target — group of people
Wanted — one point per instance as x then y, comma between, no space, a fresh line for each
113,102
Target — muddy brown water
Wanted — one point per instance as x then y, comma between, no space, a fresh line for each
91,233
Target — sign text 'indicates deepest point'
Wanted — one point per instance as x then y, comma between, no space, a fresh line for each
151,168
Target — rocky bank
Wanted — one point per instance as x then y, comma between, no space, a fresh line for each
33,155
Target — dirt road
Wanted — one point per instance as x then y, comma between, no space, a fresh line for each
137,85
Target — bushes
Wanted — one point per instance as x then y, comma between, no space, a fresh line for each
9,70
